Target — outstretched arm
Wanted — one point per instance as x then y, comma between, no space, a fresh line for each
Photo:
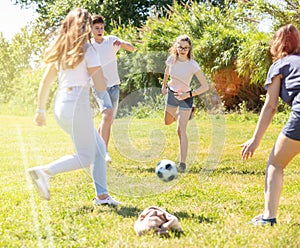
124,44
49,76
266,115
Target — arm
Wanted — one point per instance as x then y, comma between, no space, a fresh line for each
98,78
165,81
43,93
266,115
124,44
203,84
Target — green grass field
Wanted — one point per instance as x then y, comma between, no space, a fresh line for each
213,205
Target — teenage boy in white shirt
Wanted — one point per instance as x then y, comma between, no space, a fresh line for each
107,48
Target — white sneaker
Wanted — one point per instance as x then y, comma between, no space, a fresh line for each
108,158
41,181
107,201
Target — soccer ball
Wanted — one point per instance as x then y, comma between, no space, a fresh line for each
166,170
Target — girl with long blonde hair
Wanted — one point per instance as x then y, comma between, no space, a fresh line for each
74,61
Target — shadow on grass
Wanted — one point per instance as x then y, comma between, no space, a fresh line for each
297,225
128,211
199,218
149,170
123,211
85,210
226,170
200,170
232,171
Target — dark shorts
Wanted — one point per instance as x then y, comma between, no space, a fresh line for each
172,101
292,127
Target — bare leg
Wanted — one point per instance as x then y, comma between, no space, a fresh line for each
170,115
283,152
183,119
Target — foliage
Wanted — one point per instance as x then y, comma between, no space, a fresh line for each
228,84
121,11
16,58
281,13
216,37
224,35
220,44
28,47
254,57
135,13
7,70
26,87
148,103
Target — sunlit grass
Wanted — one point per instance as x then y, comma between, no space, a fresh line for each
213,208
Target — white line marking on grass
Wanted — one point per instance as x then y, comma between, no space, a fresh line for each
34,207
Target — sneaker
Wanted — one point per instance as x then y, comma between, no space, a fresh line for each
40,180
108,158
107,201
181,167
192,112
260,221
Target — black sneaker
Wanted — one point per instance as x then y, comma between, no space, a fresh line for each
260,221
182,167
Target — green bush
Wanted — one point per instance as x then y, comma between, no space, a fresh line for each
26,86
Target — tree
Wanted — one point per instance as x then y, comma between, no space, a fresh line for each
134,12
17,59
224,33
7,70
221,39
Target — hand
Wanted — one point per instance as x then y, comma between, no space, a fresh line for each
116,43
40,119
248,149
164,90
182,95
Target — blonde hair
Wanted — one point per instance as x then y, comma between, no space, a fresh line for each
285,42
173,50
69,48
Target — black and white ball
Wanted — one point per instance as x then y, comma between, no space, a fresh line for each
166,170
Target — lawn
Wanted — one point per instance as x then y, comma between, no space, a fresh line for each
214,200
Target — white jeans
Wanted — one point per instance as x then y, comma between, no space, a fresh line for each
73,114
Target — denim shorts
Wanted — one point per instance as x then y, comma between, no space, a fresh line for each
172,101
292,127
108,99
